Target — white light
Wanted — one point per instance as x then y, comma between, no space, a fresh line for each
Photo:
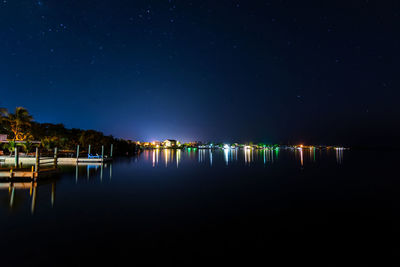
226,146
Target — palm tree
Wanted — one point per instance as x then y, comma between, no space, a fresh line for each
49,142
18,123
27,146
10,146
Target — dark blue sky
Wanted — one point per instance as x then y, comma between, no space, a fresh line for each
273,71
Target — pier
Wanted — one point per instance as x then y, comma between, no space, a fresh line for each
40,166
34,167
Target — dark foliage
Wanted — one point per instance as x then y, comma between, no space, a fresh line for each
56,135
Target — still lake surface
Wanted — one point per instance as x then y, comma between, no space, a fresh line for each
225,206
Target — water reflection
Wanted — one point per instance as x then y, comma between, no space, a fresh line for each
167,158
247,155
92,169
178,158
101,172
53,194
174,158
202,155
226,153
268,156
339,155
156,156
15,188
33,205
301,157
312,154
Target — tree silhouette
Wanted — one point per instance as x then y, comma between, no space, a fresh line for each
17,123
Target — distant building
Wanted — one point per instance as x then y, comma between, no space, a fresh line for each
145,144
3,137
169,143
156,143
195,143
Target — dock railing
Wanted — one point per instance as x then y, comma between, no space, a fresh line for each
43,166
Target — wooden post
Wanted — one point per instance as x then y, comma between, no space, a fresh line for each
102,153
16,157
37,160
77,153
55,157
89,150
111,151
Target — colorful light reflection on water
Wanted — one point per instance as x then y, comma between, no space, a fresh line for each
249,156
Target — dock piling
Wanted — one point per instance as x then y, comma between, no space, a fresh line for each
37,160
55,157
102,153
77,153
16,157
111,151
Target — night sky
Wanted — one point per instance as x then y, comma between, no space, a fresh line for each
270,71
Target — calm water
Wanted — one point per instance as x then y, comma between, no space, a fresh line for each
184,207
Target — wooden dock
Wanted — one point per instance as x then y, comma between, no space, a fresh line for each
26,173
60,161
38,166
